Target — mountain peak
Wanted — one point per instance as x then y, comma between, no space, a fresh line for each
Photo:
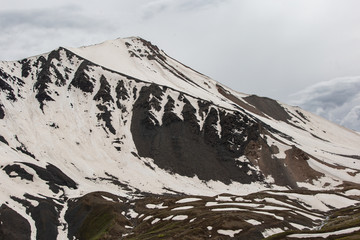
116,54
165,145
144,61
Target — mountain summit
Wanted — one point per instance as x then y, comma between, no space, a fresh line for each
119,140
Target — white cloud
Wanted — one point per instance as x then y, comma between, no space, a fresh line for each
270,48
34,31
337,100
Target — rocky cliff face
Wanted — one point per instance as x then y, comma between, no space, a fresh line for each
124,118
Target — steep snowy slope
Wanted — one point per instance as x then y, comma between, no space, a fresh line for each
124,118
309,133
140,59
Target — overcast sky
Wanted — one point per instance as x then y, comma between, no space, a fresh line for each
280,49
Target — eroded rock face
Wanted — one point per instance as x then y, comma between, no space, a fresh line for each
268,106
298,167
103,97
184,146
43,79
286,171
81,79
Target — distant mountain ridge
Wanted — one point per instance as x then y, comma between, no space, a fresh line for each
124,118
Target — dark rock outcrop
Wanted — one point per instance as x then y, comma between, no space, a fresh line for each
2,112
46,216
2,139
181,146
25,67
104,94
285,172
5,87
15,170
81,79
268,106
13,225
44,78
54,177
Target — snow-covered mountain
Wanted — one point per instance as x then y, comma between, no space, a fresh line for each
124,118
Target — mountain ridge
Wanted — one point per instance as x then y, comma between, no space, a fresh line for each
70,127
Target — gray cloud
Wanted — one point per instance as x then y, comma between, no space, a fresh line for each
196,4
34,31
156,7
65,17
337,100
271,48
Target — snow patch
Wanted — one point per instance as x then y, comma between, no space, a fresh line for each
253,205
155,220
230,233
253,222
147,218
187,200
168,218
226,209
156,206
182,208
132,213
271,231
223,199
298,226
179,218
352,192
335,201
107,198
270,214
